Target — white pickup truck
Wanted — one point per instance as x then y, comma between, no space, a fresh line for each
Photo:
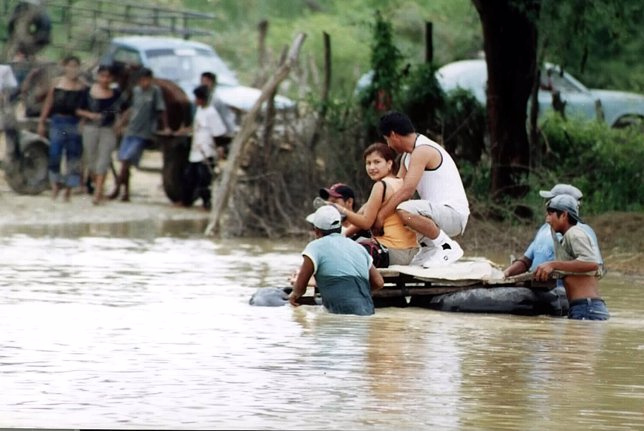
183,62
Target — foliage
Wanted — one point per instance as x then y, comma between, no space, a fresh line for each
423,99
382,92
456,31
605,163
606,49
463,126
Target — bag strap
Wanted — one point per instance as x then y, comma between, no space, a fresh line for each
384,190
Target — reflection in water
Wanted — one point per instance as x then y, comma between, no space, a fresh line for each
157,331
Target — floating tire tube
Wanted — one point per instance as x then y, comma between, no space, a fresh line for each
510,300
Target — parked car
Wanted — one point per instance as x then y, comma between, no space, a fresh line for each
183,62
620,108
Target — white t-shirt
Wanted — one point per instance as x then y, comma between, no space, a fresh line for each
442,185
7,80
206,125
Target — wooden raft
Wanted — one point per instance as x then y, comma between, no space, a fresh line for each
403,281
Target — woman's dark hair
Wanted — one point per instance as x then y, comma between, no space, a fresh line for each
385,151
104,68
69,59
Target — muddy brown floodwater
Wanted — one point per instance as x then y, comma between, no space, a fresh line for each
124,315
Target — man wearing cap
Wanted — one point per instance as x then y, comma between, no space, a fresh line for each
343,269
575,254
443,209
340,194
542,248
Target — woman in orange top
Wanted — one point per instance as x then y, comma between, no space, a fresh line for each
380,163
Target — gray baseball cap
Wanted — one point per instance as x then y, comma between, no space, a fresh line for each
562,189
566,203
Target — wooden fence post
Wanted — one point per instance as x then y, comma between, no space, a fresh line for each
248,126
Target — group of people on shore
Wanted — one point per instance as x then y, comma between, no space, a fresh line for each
86,122
420,231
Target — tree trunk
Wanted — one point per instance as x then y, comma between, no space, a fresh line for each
324,94
262,54
510,43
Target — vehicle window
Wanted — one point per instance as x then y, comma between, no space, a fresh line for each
128,56
187,65
559,82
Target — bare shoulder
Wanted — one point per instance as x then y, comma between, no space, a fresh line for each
57,82
425,155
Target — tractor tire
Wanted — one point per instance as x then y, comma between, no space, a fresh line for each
27,172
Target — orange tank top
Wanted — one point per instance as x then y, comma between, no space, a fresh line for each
396,235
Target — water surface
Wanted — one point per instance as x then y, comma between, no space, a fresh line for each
145,327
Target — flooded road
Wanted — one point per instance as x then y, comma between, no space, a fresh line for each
149,326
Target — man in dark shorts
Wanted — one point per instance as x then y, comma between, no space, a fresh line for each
142,116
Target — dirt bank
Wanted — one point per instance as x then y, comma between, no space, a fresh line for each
621,235
148,203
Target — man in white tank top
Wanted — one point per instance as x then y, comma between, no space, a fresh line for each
443,209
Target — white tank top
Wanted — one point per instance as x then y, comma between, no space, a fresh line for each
442,185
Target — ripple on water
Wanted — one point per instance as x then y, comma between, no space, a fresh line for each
107,332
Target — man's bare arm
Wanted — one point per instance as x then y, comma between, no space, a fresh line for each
302,281
421,158
543,271
375,279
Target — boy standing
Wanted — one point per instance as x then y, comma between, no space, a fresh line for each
207,125
578,254
147,107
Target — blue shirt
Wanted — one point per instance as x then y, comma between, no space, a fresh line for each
542,248
341,269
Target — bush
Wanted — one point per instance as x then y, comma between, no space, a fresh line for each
423,99
605,163
463,126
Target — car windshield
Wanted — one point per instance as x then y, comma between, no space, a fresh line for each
187,65
558,81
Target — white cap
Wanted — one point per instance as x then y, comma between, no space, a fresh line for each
325,218
562,189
